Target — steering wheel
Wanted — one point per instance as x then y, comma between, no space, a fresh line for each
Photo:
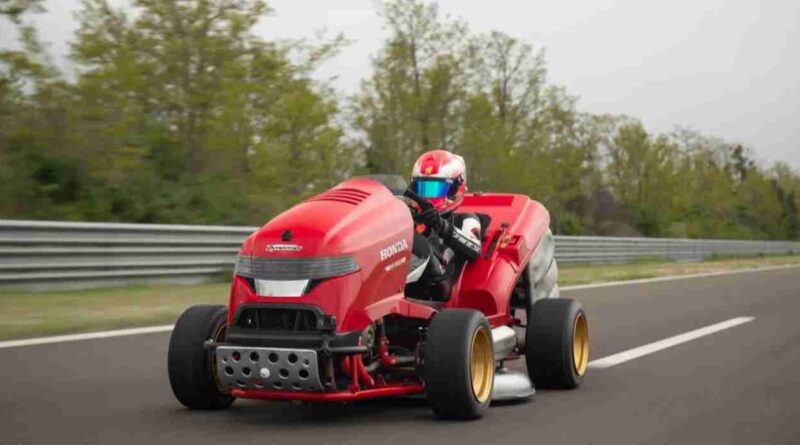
423,204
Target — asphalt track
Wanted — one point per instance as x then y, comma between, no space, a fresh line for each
738,385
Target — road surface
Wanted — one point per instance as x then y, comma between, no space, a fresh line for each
738,385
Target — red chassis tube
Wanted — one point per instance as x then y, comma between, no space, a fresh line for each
337,396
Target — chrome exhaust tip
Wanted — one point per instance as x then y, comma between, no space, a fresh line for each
504,339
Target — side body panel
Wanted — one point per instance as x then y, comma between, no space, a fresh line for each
516,228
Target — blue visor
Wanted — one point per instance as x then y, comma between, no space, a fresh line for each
431,188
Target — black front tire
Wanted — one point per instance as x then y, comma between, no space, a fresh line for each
459,364
557,343
190,365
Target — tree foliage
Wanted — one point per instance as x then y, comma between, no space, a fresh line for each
179,113
14,9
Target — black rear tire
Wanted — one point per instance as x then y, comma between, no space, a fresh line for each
459,364
190,365
556,343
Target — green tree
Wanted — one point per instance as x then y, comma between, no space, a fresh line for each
642,174
787,190
411,102
183,102
36,180
14,9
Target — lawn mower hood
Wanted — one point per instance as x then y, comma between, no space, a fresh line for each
344,254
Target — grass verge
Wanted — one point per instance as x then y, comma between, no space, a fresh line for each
34,314
26,314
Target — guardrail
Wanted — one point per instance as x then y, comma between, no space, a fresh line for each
596,249
46,255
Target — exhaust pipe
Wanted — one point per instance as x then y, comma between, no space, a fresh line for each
505,341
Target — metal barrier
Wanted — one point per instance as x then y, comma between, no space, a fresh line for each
57,255
46,255
595,249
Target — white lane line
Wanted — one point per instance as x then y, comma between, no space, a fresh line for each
641,351
676,277
88,336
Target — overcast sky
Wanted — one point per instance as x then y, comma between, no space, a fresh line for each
727,68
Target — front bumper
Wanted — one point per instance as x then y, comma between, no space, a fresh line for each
290,374
276,369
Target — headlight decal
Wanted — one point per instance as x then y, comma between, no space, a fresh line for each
295,268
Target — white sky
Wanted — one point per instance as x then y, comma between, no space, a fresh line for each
727,68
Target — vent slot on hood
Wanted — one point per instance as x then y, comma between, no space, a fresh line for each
345,195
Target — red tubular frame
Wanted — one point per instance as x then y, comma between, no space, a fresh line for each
386,359
337,396
346,364
362,372
354,365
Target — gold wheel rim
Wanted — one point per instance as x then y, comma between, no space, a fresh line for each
580,344
220,334
481,364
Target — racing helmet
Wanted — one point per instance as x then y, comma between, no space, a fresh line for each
440,177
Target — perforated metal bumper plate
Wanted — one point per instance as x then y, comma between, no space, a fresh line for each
268,368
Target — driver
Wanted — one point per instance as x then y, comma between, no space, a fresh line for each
444,240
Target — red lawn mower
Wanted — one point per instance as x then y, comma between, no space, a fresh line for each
320,311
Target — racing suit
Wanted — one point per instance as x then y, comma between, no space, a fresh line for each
439,258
